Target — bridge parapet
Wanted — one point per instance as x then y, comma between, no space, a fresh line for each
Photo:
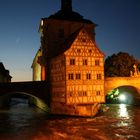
37,89
114,82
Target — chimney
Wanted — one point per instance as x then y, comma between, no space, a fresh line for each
66,5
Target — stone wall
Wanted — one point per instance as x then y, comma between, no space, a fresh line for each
115,82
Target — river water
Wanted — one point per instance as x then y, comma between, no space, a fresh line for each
22,122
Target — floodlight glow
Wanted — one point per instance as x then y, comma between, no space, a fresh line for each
122,97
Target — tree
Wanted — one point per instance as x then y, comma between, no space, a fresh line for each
119,65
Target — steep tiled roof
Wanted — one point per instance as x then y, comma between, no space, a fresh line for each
61,48
70,16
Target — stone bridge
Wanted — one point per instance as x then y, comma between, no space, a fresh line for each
115,82
35,91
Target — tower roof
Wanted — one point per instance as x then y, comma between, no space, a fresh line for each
66,5
66,13
63,46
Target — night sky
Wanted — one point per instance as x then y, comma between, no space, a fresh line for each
118,29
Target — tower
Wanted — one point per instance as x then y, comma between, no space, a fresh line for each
66,5
74,65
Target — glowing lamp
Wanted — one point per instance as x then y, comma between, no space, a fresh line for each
122,97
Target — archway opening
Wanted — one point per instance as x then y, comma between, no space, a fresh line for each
18,99
123,95
14,98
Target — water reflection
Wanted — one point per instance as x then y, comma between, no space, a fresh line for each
22,122
20,101
123,112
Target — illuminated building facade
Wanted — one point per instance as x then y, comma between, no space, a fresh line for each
70,61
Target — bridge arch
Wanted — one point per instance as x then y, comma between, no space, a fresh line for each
114,82
33,100
123,94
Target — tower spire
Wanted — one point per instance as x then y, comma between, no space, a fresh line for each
66,5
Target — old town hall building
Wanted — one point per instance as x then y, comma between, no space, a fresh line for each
71,63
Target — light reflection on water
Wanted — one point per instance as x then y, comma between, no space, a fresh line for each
21,122
123,112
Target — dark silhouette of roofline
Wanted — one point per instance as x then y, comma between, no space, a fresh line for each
3,70
66,13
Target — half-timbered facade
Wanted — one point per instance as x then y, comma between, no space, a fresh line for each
84,71
74,65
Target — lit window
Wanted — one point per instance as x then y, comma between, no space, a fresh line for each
72,61
84,61
41,22
88,76
97,62
99,76
98,93
70,76
78,76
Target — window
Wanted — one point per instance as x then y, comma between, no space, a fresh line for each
83,32
83,40
82,93
90,51
72,61
70,76
70,93
97,62
88,76
99,76
78,76
98,93
78,50
41,22
84,61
